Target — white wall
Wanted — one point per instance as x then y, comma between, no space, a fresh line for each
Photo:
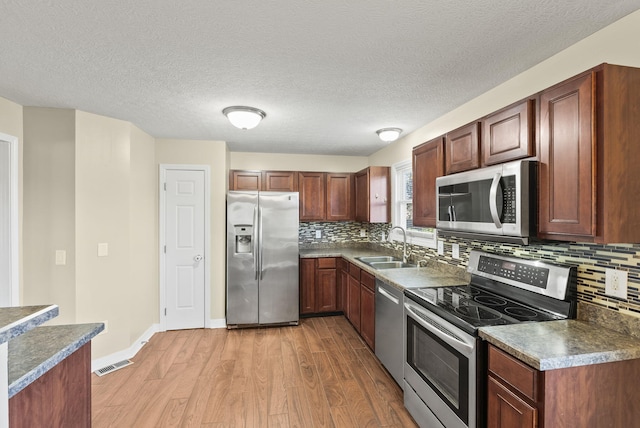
214,154
615,44
286,162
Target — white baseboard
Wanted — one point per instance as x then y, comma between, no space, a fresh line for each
127,353
218,323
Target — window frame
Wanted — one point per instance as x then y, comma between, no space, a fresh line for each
423,239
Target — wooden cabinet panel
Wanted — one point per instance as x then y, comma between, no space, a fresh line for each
367,280
353,313
507,410
307,286
373,194
327,263
354,271
59,398
567,204
368,316
340,197
341,297
428,163
311,186
514,372
508,134
280,181
245,180
463,148
326,290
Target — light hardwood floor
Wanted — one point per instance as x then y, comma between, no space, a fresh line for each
317,374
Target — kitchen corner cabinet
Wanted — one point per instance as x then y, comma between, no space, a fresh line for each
318,285
589,157
280,181
340,189
312,188
428,163
595,395
463,148
61,397
343,283
373,194
245,180
509,133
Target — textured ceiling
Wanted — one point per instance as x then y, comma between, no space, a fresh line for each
328,73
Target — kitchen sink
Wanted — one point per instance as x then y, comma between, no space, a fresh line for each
376,259
390,265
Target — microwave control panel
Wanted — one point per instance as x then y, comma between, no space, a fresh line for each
509,199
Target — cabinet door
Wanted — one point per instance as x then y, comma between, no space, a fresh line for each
341,298
462,148
280,181
311,186
339,197
245,180
428,163
507,410
362,196
307,286
508,134
368,316
326,290
354,302
372,195
567,200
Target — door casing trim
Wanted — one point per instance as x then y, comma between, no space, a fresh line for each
14,221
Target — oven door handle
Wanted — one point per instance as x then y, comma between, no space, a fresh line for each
458,343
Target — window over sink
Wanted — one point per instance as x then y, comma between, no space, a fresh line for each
402,208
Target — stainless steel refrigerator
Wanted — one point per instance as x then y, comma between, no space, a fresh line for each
262,258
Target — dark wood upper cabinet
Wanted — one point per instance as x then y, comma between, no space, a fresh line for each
463,148
373,194
245,180
312,188
340,197
280,181
589,157
509,134
428,163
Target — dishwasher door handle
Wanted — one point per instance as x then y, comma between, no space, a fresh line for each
388,295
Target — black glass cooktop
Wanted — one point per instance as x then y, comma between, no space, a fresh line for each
470,307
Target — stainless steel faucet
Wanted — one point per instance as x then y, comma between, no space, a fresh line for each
404,244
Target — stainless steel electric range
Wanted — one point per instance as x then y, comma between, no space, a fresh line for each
445,360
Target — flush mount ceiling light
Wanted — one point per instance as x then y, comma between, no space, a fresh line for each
389,134
244,117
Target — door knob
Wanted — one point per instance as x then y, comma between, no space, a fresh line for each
197,258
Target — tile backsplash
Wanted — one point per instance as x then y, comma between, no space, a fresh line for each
590,259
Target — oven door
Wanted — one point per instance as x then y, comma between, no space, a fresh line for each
440,366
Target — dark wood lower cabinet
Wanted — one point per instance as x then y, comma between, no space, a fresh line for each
59,398
353,297
507,410
326,290
368,316
318,285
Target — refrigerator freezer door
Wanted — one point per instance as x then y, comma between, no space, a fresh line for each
278,289
242,261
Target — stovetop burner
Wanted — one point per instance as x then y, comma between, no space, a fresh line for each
490,300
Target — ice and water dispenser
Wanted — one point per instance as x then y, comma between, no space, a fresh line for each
243,238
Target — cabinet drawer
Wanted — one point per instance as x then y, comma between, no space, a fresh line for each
354,271
326,263
514,372
344,265
368,280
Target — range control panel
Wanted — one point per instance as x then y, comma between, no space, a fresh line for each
526,274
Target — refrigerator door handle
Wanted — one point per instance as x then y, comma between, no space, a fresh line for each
255,241
260,243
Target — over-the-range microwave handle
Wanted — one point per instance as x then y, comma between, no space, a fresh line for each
462,346
493,200
255,242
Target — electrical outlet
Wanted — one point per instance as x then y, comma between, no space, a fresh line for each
382,237
61,257
615,283
318,234
363,233
103,249
440,248
455,251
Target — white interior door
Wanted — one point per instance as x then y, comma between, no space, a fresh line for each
185,249
8,220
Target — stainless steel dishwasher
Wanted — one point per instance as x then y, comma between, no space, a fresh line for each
389,329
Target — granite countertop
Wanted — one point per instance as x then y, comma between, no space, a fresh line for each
35,352
561,344
15,321
433,275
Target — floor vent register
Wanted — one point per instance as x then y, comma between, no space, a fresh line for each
113,367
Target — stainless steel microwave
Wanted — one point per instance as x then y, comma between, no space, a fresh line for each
496,203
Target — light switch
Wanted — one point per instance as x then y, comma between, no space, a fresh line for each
103,249
318,234
363,233
61,257
455,251
440,248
